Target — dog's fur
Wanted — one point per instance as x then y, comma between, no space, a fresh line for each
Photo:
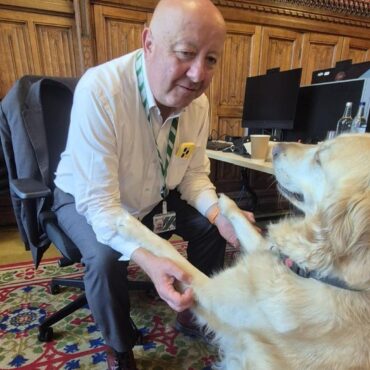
264,315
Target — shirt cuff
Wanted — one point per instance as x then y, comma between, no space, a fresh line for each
205,200
124,247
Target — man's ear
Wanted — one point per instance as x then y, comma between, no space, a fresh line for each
147,40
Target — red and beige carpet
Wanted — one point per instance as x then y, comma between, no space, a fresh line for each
25,301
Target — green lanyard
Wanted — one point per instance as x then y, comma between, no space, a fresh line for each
173,129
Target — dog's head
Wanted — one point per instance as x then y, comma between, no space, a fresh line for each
330,183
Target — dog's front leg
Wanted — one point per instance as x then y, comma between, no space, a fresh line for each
249,237
135,231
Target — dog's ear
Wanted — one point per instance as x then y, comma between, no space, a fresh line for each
347,221
347,228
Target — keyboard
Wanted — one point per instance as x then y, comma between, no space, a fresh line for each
218,145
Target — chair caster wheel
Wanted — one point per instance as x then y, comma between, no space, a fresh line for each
54,289
45,335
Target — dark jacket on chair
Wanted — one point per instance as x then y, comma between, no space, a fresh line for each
23,136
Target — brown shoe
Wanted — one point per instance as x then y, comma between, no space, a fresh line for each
186,324
120,361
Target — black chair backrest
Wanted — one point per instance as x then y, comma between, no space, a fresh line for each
56,103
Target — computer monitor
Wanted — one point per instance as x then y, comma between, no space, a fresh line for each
270,100
320,106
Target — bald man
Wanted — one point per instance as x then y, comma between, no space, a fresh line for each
136,148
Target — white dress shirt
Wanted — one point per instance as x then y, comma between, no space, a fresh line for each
111,165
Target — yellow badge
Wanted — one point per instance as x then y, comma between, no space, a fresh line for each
185,150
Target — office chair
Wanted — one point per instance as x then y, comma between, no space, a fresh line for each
31,159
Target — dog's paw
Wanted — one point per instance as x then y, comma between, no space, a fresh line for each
227,205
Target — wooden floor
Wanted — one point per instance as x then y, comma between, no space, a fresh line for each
12,249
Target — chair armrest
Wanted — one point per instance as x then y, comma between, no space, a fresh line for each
29,188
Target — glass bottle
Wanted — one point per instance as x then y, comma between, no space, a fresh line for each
359,122
345,122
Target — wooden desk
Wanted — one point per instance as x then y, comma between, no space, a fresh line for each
238,160
269,204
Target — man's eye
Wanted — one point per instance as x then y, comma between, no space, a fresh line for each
184,55
211,61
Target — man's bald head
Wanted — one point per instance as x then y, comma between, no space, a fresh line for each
170,14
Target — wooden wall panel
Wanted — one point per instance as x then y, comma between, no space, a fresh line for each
280,49
55,50
118,31
319,52
239,60
123,37
32,43
356,49
15,53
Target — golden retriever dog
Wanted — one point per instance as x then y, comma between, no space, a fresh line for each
298,297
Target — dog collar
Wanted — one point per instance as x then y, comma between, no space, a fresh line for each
306,273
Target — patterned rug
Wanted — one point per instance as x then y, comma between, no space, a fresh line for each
25,301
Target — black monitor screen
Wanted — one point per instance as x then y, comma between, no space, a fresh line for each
320,106
270,100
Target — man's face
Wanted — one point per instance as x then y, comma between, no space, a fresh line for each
181,64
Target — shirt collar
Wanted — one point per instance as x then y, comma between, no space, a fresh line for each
149,95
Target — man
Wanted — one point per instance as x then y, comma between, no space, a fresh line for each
136,146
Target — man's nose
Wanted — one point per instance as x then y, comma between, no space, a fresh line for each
197,70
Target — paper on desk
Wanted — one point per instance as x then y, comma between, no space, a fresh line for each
247,147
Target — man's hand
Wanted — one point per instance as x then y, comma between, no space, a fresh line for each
227,230
164,273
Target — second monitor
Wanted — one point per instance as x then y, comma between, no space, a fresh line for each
270,100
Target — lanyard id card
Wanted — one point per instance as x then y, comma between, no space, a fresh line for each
165,221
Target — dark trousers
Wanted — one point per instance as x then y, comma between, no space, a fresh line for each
106,278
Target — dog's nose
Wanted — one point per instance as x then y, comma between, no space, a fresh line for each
276,150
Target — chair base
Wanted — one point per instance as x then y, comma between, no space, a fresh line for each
46,331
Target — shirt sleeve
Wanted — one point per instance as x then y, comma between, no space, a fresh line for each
92,145
196,187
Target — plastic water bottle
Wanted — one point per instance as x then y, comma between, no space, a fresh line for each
345,122
359,122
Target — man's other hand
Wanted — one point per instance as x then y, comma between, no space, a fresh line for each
166,275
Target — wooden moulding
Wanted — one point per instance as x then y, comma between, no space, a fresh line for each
45,6
343,12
